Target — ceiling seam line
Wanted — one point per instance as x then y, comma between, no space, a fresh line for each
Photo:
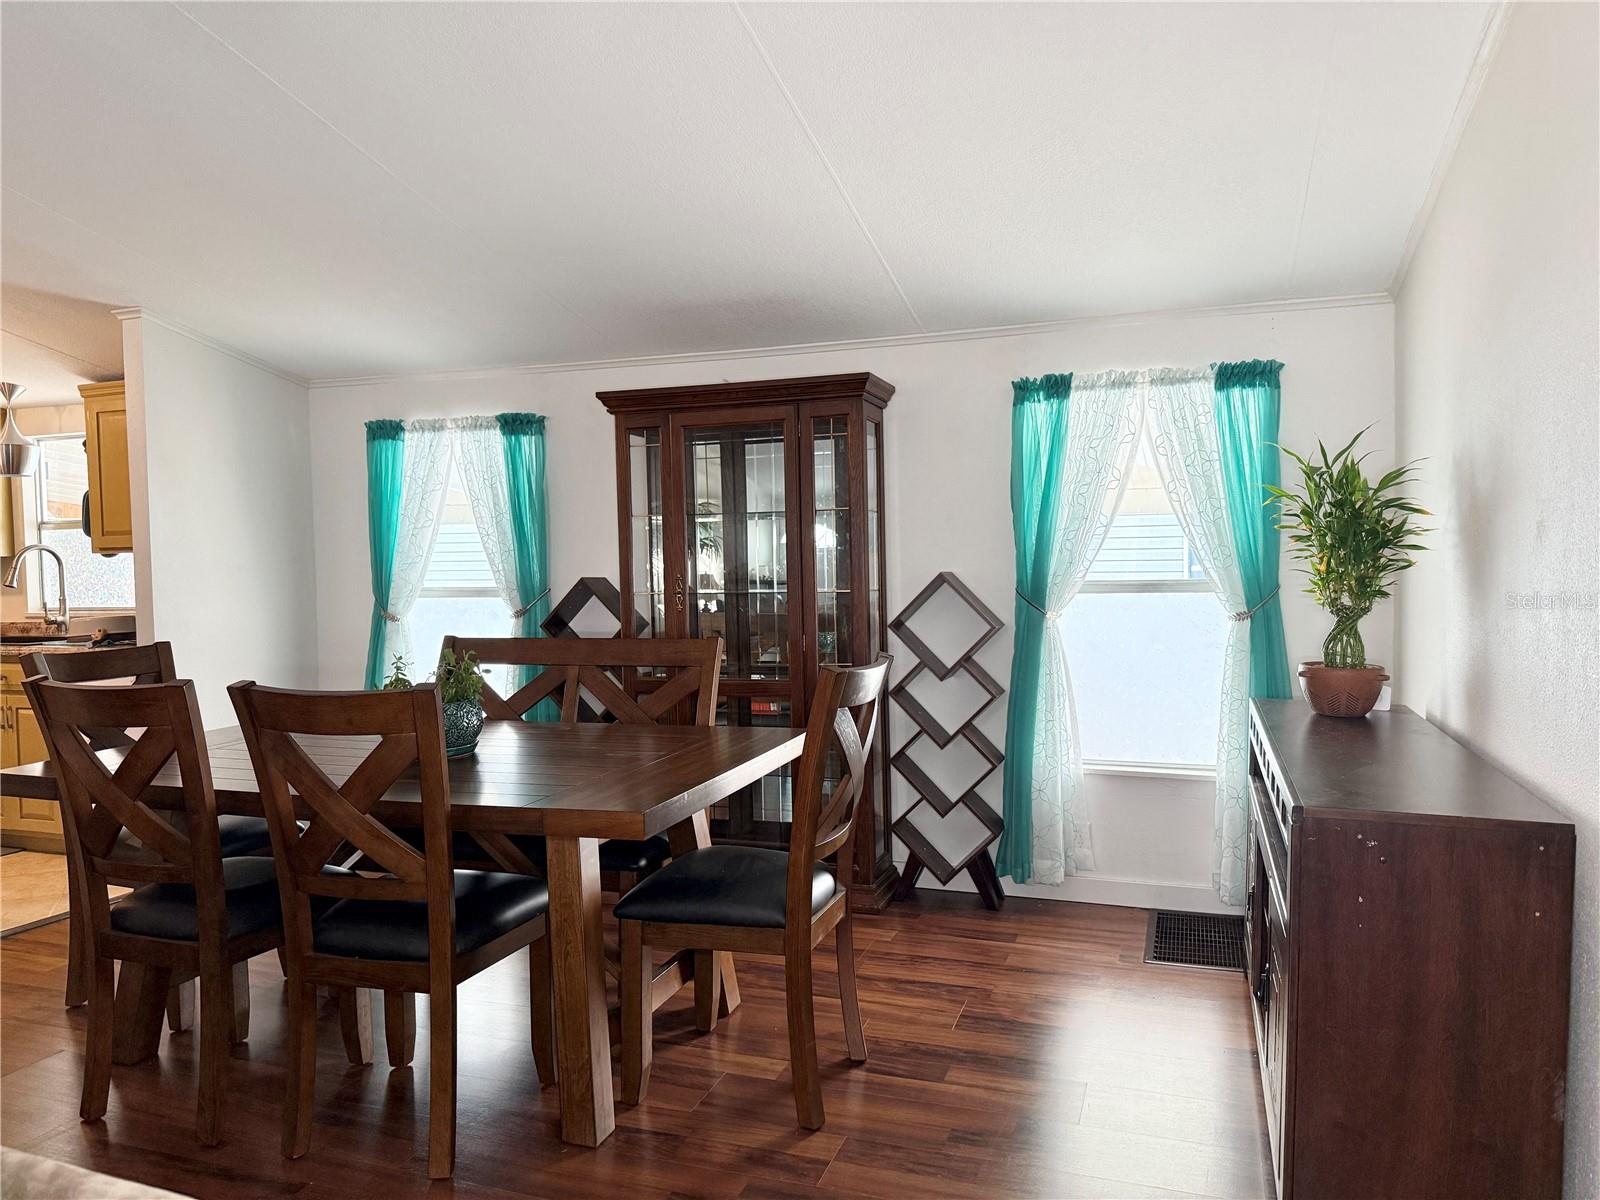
356,146
77,358
827,165
198,281
1311,169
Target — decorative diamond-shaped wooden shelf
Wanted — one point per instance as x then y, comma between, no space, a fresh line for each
564,616
951,827
955,625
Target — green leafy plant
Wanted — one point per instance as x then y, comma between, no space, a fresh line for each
1353,535
459,678
397,675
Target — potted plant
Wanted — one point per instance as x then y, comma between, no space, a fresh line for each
1354,537
460,693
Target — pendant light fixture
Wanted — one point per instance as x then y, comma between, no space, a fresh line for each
19,453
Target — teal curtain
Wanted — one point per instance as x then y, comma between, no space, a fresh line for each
1249,399
385,467
522,438
1038,467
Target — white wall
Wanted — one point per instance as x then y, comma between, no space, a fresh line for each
1497,381
948,444
221,481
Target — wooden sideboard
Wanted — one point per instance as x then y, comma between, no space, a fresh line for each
1410,941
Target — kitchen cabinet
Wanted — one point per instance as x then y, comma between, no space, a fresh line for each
754,512
105,425
28,824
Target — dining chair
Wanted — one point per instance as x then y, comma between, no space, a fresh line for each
754,900
191,913
151,663
599,679
415,925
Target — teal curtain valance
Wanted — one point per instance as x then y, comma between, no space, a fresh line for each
1249,402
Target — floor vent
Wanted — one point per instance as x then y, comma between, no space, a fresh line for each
1195,940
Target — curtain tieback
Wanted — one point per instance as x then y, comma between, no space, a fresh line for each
1045,613
389,616
1246,614
527,608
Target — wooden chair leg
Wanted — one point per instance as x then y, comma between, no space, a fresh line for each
180,1005
355,1023
637,1012
300,1094
707,990
844,939
541,1012
802,1036
239,1030
140,1005
400,1027
441,1082
97,1049
80,956
216,1030
728,983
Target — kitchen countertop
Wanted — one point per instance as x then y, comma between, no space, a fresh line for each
13,651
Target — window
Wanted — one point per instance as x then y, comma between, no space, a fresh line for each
94,581
458,593
1146,636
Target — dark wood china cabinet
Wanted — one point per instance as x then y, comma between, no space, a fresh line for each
754,512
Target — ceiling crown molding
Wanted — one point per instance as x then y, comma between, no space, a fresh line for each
1359,300
194,335
1488,42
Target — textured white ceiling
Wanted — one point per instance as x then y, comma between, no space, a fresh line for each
348,188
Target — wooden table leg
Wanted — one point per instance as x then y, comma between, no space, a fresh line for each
583,1038
695,834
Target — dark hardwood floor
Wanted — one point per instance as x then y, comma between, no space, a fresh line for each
1022,1053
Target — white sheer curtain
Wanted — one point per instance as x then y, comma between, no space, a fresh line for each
1182,412
1102,430
422,491
480,455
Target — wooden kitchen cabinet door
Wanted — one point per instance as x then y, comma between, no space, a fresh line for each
105,424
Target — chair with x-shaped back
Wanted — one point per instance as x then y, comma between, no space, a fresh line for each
412,924
192,912
632,681
752,900
150,663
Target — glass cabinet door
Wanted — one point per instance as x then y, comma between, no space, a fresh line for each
647,528
736,510
830,510
739,565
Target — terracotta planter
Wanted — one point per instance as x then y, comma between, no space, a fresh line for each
1341,691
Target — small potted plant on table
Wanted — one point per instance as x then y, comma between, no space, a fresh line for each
460,693
1354,537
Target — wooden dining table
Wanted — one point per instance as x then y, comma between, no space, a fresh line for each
575,784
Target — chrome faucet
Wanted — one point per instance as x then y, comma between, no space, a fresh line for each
61,578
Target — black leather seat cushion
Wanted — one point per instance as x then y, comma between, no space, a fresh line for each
167,910
243,835
722,885
617,854
488,905
238,836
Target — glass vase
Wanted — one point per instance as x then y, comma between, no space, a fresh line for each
1344,647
